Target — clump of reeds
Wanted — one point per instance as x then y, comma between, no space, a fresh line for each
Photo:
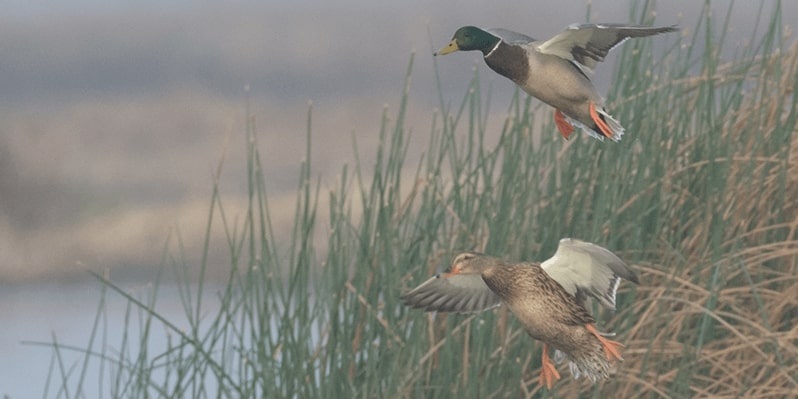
701,197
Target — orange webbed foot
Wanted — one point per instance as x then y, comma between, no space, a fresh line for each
565,127
611,348
548,373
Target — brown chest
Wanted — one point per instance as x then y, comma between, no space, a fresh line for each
509,61
540,303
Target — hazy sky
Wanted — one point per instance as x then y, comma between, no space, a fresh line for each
113,114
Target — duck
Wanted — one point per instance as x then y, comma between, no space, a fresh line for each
548,298
556,71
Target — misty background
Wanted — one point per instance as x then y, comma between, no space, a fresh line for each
114,116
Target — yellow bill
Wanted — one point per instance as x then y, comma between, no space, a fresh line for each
449,48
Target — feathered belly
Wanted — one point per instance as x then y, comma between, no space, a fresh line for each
582,350
540,321
555,84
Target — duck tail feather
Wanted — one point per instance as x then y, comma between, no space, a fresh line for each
616,129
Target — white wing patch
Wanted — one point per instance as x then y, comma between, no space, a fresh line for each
562,44
583,268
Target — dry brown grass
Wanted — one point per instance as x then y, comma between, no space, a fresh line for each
721,318
715,314
701,198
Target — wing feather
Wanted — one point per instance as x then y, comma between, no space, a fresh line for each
586,269
588,44
446,292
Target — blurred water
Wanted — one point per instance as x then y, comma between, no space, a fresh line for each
37,313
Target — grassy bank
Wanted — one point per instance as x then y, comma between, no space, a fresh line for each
701,197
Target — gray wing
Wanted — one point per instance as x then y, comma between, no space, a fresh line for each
510,37
452,293
588,44
586,269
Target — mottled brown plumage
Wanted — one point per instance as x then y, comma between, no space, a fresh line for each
547,298
550,315
514,283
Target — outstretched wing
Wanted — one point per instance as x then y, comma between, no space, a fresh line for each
588,44
586,269
446,292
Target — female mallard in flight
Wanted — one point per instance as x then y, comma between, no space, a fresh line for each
547,297
556,71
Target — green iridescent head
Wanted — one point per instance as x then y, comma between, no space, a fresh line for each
470,38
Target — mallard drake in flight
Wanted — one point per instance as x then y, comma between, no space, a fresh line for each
548,298
556,71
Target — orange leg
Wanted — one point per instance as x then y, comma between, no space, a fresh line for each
548,374
611,348
563,125
605,130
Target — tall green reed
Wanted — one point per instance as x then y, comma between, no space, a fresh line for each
696,193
